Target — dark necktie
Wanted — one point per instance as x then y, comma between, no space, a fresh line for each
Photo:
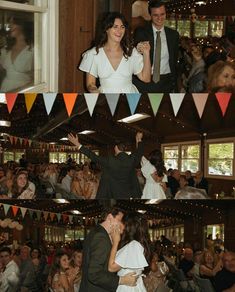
157,59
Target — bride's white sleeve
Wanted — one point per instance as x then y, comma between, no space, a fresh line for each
88,63
131,256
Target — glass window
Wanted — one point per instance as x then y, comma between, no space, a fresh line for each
18,155
62,157
220,160
171,156
190,158
8,156
201,29
183,27
216,28
170,23
53,157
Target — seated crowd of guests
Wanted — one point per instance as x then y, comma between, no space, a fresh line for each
58,266
206,68
30,181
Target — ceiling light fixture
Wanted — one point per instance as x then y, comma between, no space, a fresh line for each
153,201
134,118
5,123
142,211
64,139
76,212
200,2
61,201
86,132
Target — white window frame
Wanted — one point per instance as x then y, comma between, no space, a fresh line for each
218,141
179,144
50,42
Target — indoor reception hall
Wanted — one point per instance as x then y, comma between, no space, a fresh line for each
182,236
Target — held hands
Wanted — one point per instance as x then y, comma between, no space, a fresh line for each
129,279
115,234
143,48
74,139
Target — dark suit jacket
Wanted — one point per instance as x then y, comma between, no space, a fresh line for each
172,36
118,178
95,274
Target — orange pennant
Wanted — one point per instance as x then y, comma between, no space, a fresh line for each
11,139
69,99
14,210
65,217
11,99
223,100
29,100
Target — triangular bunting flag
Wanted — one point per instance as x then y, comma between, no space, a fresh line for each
69,100
133,100
30,213
45,215
14,210
112,100
176,101
15,140
11,99
155,101
71,218
200,100
29,100
39,215
30,143
6,208
65,217
23,211
52,215
21,140
11,139
91,99
58,215
49,99
223,100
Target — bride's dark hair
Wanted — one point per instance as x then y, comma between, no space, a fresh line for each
155,158
108,22
136,228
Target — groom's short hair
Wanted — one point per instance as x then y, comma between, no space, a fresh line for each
121,145
114,211
155,4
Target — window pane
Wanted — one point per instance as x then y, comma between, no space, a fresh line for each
22,69
53,157
201,29
171,154
220,167
221,151
18,156
190,151
170,23
29,2
217,28
8,156
190,164
183,27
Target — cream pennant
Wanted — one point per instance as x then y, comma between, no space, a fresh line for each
21,141
176,101
155,101
49,99
29,100
23,211
91,99
45,215
6,208
71,218
30,143
200,100
112,100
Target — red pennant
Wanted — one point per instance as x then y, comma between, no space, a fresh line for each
69,99
14,210
65,217
11,139
15,139
223,100
11,99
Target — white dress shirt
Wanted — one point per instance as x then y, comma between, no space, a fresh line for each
10,277
164,65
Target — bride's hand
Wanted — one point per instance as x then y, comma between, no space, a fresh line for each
143,47
116,234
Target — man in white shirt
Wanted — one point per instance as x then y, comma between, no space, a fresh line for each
10,275
163,41
67,180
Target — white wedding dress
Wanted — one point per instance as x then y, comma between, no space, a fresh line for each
152,189
19,73
131,258
112,81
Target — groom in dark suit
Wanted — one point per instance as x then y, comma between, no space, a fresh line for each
96,252
118,179
164,43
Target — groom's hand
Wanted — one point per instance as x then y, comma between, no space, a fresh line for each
74,140
129,279
139,137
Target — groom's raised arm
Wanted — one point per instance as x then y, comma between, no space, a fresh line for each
139,152
90,154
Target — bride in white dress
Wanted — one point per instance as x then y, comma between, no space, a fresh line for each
134,254
114,60
154,172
